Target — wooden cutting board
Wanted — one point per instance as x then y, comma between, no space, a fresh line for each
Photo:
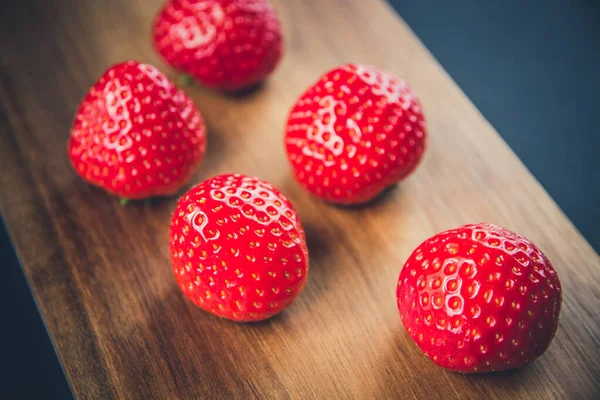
100,272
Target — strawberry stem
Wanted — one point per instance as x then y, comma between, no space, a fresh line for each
185,80
124,202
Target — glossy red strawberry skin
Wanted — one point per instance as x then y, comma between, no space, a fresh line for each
353,133
226,44
479,298
238,249
135,134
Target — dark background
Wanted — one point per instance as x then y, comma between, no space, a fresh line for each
531,67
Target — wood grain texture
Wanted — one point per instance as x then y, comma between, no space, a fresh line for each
100,273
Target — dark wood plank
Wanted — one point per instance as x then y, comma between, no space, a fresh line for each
101,275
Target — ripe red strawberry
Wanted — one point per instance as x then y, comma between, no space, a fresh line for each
238,248
479,298
135,134
228,44
353,133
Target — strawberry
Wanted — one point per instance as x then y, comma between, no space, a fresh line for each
479,298
135,134
353,133
227,44
237,248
